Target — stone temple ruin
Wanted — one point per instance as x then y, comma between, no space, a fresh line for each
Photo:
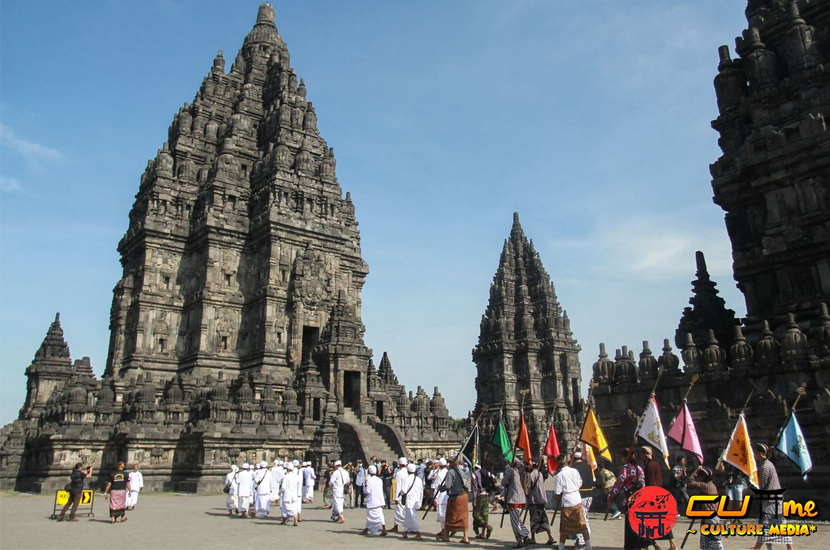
235,329
773,182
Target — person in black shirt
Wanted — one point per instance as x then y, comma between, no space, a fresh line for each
116,491
76,490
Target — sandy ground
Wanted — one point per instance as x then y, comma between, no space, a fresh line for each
166,521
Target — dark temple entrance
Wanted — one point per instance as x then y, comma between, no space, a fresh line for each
351,389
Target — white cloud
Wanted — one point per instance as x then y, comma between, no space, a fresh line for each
9,185
31,151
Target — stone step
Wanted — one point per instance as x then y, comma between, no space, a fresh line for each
374,442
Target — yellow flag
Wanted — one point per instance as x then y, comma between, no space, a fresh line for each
739,454
592,435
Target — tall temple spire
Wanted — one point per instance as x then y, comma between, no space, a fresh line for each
525,342
707,312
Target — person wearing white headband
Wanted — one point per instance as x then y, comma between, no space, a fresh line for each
245,489
290,495
440,497
262,490
339,481
375,502
412,495
399,503
230,489
277,473
308,482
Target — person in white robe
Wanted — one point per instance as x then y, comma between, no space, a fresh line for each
289,494
339,480
136,485
231,484
412,496
440,497
277,473
308,482
298,472
375,502
262,499
400,476
245,489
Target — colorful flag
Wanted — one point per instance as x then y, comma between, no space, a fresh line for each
589,457
469,451
682,430
502,442
523,439
791,443
593,436
651,429
552,450
739,452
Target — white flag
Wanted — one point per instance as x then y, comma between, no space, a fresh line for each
651,429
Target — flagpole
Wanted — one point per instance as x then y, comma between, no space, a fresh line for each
513,451
660,372
802,391
692,385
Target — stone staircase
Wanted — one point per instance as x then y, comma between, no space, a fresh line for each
370,439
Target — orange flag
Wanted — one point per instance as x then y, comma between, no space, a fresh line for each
593,436
523,439
738,452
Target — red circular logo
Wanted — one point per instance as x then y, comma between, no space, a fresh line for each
652,512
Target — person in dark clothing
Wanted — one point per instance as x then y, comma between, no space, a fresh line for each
76,490
654,478
386,477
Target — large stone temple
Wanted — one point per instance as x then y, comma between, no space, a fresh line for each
773,182
235,328
526,357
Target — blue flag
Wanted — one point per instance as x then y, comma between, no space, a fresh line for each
793,445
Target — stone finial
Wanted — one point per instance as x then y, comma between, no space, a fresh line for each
604,367
822,332
794,15
219,62
648,364
794,342
265,15
669,361
767,349
740,353
714,358
723,54
692,360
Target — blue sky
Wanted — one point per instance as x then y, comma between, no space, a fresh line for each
588,117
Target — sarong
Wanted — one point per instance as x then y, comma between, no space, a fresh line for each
481,512
262,505
118,502
231,502
538,519
375,520
710,542
244,504
573,520
337,507
400,512
770,517
457,513
586,506
410,520
132,499
288,509
519,529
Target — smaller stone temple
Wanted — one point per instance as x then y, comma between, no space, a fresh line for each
526,357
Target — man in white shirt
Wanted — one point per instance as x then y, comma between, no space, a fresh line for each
400,477
566,487
245,489
277,473
290,494
441,497
299,473
231,485
412,495
136,485
262,500
308,483
375,502
339,480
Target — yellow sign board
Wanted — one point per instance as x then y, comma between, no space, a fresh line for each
62,497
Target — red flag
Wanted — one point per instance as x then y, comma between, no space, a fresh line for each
552,450
523,439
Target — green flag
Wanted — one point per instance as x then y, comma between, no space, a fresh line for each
502,442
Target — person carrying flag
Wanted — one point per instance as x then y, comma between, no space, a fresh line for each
483,484
513,487
630,480
566,486
537,500
585,490
771,511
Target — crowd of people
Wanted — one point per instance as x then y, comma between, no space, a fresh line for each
441,487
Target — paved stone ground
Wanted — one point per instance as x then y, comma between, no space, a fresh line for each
165,521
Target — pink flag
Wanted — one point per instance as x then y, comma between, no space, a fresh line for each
683,431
